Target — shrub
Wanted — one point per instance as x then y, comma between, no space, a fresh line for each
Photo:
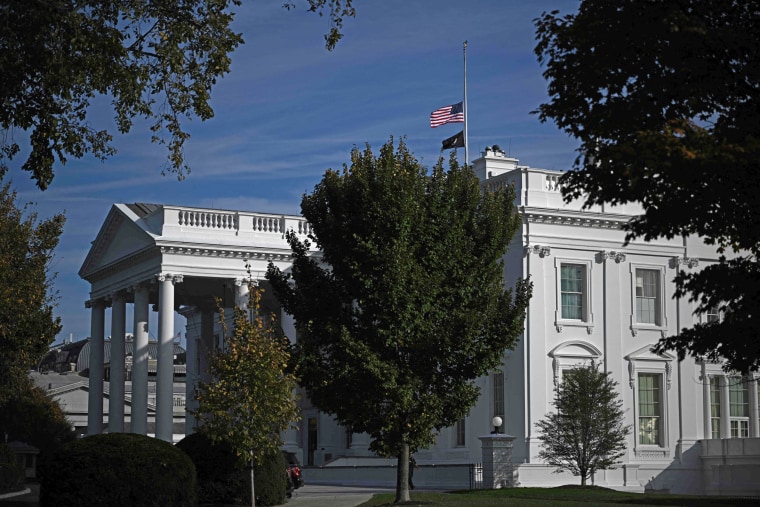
219,476
270,480
10,471
118,469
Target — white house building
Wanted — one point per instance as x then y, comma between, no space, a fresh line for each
694,428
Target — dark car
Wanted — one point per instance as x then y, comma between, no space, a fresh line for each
293,469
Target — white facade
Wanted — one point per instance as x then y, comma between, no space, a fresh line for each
618,301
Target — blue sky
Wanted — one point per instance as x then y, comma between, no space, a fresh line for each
290,109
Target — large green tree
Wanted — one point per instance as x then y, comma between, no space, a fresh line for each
251,398
27,301
587,432
156,60
663,97
405,306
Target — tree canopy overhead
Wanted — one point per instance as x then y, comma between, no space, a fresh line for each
663,98
156,60
407,305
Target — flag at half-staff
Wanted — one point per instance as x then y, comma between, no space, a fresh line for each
455,141
447,114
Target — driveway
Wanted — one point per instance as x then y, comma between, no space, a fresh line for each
316,495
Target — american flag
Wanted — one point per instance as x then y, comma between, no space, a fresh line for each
448,114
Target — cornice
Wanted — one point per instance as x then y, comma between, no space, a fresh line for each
225,253
574,218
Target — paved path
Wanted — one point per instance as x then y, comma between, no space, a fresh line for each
315,495
310,495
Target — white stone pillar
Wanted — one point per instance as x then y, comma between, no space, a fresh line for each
165,360
116,383
706,401
289,437
95,397
498,471
754,423
139,415
725,409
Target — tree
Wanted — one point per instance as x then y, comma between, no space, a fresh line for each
33,417
156,60
409,306
663,97
586,433
27,323
251,397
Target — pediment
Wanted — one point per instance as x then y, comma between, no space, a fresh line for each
576,348
646,353
119,237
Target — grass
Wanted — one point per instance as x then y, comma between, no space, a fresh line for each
574,496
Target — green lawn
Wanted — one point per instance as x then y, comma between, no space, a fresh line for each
563,496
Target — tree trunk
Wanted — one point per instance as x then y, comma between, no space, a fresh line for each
583,478
253,491
402,476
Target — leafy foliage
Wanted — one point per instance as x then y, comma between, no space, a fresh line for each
663,97
220,478
409,306
27,323
11,473
120,469
156,60
35,418
251,398
586,433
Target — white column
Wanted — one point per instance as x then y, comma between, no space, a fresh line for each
706,401
754,423
165,362
95,399
140,362
725,409
116,384
242,296
289,436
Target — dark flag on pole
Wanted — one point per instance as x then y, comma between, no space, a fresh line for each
455,141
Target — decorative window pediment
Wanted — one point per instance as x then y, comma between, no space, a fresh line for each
644,359
572,353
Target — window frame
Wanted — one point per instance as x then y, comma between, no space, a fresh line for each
587,317
460,433
661,321
644,361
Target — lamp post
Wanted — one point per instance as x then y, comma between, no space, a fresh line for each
496,422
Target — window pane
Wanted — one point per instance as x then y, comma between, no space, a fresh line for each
498,394
738,395
715,407
649,409
647,296
572,295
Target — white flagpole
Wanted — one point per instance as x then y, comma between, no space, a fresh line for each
466,158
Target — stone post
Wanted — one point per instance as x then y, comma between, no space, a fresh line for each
498,471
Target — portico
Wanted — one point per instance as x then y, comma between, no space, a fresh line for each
172,259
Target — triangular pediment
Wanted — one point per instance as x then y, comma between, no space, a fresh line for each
646,353
120,237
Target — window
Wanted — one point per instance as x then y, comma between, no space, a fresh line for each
738,403
572,281
497,380
573,296
712,315
714,407
460,433
650,409
648,296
